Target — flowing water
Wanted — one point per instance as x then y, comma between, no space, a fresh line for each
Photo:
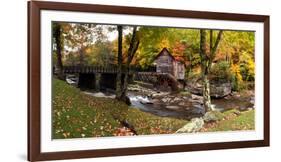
186,110
160,109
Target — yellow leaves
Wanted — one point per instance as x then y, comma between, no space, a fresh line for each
235,69
101,119
251,68
164,43
88,50
65,26
109,126
66,134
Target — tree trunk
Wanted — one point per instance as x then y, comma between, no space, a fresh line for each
58,51
206,90
205,65
131,52
124,96
206,93
119,68
81,56
189,67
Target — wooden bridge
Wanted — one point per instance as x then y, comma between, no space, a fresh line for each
99,77
102,69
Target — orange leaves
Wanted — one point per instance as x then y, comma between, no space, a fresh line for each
123,132
179,50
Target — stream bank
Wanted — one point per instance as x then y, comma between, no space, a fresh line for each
181,105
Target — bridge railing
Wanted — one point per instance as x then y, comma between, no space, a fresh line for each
105,69
141,69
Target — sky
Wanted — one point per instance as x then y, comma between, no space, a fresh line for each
114,34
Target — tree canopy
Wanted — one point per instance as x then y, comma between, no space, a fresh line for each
95,44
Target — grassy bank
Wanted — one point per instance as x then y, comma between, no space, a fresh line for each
78,115
233,120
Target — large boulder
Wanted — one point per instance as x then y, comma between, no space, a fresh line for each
198,109
217,89
193,126
212,116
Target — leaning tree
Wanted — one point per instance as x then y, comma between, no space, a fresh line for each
121,89
133,47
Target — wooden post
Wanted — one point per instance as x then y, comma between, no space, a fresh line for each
97,81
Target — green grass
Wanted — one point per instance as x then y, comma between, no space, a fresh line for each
78,115
231,122
146,123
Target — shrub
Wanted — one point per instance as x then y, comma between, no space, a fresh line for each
221,71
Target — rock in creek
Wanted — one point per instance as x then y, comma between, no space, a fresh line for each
172,107
166,99
155,101
176,99
193,126
182,104
196,97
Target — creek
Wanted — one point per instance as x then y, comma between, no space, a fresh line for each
179,105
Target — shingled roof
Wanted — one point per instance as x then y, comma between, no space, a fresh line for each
162,52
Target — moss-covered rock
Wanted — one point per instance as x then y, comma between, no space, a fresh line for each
193,126
212,116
